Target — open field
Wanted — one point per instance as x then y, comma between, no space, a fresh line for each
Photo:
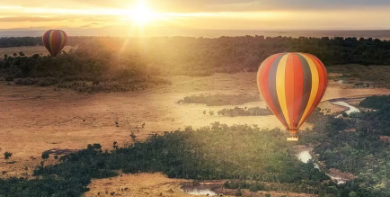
37,119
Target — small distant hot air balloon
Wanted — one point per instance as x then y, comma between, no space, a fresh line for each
54,41
292,85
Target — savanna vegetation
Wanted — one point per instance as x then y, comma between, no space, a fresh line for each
362,76
133,60
214,152
264,162
220,99
363,151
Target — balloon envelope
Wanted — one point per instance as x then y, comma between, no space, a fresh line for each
54,41
292,85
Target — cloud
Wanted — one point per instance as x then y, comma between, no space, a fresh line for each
206,5
31,19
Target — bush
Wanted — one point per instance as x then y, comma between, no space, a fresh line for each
219,99
7,155
238,192
253,188
255,111
45,156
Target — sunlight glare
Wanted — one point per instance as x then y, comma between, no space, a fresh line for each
141,14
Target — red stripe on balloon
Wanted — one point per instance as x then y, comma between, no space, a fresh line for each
298,87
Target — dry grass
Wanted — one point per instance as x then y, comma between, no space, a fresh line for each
157,184
142,184
377,76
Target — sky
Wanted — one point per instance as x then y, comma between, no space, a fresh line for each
197,14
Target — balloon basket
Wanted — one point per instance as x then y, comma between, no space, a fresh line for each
292,139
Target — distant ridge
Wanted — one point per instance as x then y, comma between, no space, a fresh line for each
207,33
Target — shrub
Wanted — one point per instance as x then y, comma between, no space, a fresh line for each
7,155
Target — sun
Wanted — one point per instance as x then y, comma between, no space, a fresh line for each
141,14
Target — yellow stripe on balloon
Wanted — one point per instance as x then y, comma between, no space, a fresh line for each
62,39
281,87
314,88
51,41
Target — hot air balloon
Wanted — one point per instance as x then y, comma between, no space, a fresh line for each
292,85
54,41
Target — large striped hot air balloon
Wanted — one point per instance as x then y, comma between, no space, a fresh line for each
54,41
292,85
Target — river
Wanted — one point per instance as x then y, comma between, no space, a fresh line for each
200,190
305,156
351,109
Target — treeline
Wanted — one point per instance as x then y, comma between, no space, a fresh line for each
6,42
20,41
375,102
203,56
363,151
237,111
215,152
89,68
98,59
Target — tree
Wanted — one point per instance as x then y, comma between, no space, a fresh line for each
133,138
352,194
7,155
45,155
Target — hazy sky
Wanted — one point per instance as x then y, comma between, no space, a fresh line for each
199,14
